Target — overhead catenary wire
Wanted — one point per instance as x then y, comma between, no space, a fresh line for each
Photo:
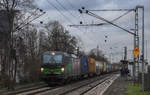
72,6
68,19
109,22
121,15
66,9
26,20
99,24
114,10
62,14
19,28
103,19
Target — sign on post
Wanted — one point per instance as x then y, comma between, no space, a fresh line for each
136,51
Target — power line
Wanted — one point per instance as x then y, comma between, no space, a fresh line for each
101,18
121,15
74,7
114,10
65,9
100,24
60,12
71,4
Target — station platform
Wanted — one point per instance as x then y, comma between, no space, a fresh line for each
118,87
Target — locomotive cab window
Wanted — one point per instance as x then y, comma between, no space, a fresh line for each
58,58
46,58
52,58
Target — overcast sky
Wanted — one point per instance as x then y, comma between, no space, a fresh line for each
66,12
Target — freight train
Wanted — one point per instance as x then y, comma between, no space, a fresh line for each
63,67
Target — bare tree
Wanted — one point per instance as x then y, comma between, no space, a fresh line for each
28,54
32,53
59,39
42,42
15,11
97,54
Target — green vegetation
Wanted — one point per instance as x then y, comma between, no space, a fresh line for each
135,90
3,89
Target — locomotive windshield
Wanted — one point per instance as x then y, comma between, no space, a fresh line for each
58,58
52,58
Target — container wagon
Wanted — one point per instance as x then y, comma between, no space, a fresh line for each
84,66
99,67
104,67
92,67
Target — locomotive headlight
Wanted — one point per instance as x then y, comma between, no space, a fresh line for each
42,69
62,69
53,53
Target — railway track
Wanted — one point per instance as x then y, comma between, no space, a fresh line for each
26,89
78,88
83,89
73,90
36,91
101,87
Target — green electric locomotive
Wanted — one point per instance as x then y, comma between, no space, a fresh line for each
59,66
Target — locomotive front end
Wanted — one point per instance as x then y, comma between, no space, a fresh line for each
52,67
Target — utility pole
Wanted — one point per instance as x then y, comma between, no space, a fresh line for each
146,50
97,50
77,51
136,44
143,63
125,53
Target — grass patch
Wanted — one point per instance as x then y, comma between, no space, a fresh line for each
3,89
135,90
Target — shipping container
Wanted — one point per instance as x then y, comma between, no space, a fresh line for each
108,67
99,67
112,67
77,67
84,65
104,67
92,66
